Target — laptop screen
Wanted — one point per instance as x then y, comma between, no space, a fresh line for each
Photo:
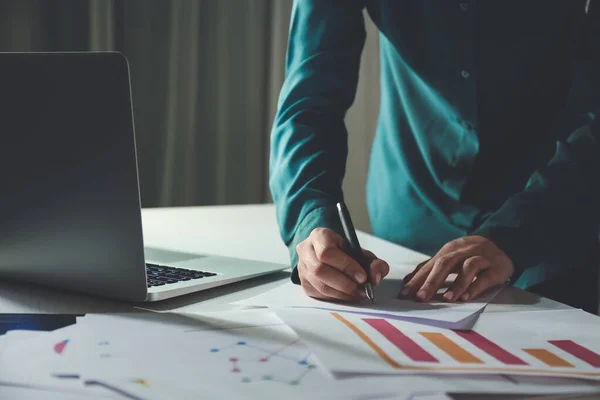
69,199
58,118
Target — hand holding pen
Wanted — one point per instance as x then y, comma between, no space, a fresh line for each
328,271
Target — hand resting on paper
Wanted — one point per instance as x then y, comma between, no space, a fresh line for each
327,272
477,261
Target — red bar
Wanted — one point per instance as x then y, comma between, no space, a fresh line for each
578,351
400,340
490,347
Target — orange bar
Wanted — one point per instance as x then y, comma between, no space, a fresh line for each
548,358
451,348
367,340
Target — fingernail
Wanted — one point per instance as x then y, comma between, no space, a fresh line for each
378,278
465,297
448,295
421,294
360,278
405,291
362,294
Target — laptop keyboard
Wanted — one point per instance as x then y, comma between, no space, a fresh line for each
159,275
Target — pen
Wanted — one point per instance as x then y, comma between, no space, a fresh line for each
355,249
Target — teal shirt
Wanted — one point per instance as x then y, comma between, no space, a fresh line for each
488,125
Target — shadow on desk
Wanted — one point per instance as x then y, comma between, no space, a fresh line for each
515,296
17,297
25,298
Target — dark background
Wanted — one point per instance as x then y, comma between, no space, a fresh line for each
203,83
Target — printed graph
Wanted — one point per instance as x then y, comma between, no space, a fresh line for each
578,351
469,350
141,382
247,360
60,346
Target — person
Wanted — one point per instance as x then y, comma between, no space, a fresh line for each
486,155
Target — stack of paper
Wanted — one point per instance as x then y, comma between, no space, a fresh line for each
167,356
500,343
296,353
536,349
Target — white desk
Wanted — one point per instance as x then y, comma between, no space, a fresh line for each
248,231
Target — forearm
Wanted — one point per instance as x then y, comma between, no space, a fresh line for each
309,137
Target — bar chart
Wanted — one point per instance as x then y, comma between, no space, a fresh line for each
406,346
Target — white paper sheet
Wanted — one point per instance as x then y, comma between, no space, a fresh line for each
348,342
157,356
216,356
217,383
10,338
21,361
32,393
386,305
32,359
373,386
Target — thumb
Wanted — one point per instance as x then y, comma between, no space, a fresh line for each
378,270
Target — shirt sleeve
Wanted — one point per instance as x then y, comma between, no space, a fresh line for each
309,142
555,218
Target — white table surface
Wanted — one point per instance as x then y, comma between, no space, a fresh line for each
245,231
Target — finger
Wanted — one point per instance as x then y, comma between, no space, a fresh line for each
484,281
310,289
369,255
329,276
418,278
328,250
409,276
378,270
442,267
306,286
469,270
312,292
326,291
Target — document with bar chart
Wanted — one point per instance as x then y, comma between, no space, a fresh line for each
534,343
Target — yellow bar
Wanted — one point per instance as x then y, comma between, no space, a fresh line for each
548,358
367,340
451,348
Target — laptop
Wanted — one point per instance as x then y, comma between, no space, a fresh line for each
70,207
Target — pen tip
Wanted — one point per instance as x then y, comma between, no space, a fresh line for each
369,292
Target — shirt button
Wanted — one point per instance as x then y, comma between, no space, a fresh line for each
464,6
464,74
